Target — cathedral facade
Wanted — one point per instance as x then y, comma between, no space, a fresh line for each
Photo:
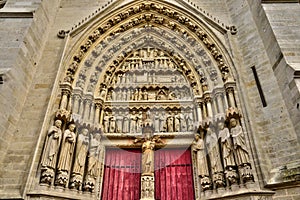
150,99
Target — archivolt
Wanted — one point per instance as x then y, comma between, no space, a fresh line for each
148,14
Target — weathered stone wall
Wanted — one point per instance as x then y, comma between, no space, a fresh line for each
273,131
284,20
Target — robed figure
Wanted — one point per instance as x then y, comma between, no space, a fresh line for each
239,143
51,148
66,154
226,146
198,147
82,148
93,169
213,150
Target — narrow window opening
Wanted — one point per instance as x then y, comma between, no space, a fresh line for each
1,80
260,91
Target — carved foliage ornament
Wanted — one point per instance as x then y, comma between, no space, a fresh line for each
69,77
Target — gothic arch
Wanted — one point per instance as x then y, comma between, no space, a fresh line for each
132,40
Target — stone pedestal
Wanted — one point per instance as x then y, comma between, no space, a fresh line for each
147,187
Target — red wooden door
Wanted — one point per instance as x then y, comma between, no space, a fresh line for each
173,175
122,175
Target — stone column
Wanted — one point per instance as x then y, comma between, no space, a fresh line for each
209,107
220,102
92,112
64,99
199,111
76,103
86,110
230,92
97,113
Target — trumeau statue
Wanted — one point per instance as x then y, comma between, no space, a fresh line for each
93,169
239,142
148,156
80,158
66,154
50,152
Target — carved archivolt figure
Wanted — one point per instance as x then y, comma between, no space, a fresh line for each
93,170
239,142
213,150
50,152
80,157
66,154
226,145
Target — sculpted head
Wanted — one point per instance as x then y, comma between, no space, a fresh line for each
58,123
84,131
221,125
197,137
72,127
97,136
233,122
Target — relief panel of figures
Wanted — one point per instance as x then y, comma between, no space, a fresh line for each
131,121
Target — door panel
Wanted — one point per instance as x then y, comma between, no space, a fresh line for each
173,175
122,175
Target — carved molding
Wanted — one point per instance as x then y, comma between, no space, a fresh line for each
145,7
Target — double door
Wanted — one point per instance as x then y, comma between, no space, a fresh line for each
173,175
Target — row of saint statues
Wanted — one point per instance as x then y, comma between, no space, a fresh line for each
74,160
157,63
147,77
172,121
139,94
226,149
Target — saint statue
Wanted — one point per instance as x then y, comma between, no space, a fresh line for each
198,147
213,150
170,122
66,154
139,124
239,142
148,146
106,119
148,156
51,148
125,123
93,169
226,146
112,123
177,122
82,147
133,119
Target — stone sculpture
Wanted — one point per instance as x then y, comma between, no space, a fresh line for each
66,155
51,148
